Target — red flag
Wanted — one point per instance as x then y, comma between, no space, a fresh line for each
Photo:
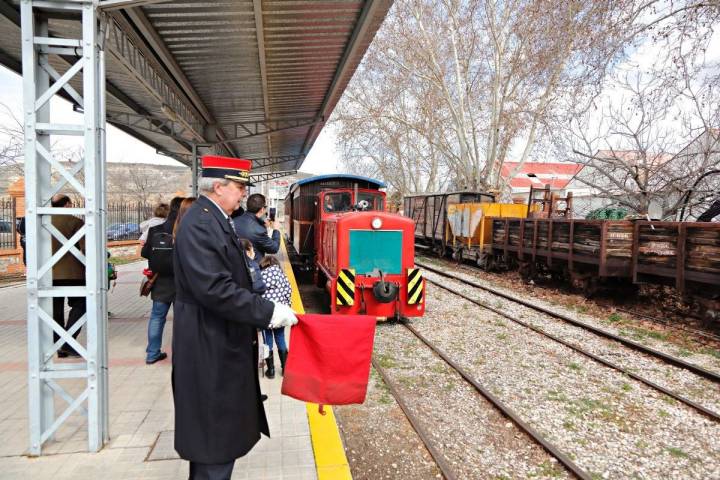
329,359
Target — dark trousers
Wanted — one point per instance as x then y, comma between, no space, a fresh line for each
77,308
211,471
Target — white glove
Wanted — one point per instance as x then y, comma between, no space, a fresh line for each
283,316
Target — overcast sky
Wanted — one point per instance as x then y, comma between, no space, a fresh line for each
121,147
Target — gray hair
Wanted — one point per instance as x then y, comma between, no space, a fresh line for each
207,184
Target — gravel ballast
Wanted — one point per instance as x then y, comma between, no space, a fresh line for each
612,426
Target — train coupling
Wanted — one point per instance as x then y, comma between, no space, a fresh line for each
383,291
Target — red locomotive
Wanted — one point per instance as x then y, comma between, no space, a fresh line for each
363,256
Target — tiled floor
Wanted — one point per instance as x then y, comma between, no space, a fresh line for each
141,408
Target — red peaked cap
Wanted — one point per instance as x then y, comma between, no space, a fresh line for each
329,359
237,169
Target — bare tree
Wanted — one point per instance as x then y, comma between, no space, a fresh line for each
652,134
450,88
12,142
12,152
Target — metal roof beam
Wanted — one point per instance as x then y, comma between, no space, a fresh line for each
142,23
155,80
181,157
108,5
256,162
260,33
180,131
270,161
174,129
9,12
250,129
151,36
263,177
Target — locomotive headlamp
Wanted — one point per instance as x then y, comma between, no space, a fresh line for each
376,223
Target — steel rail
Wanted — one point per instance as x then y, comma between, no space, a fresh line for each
694,331
700,408
442,464
505,410
715,377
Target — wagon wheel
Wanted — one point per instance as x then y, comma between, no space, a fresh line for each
560,276
527,271
490,264
457,255
439,250
709,314
485,261
589,286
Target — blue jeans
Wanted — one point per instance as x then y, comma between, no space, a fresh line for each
155,329
279,334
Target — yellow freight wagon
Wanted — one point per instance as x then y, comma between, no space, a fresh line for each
468,230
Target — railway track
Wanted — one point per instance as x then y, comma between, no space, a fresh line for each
445,468
669,359
707,337
678,362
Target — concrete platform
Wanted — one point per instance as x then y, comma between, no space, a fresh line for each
303,445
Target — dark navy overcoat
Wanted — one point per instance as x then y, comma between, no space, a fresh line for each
218,412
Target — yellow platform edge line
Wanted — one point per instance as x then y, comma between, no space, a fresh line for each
330,460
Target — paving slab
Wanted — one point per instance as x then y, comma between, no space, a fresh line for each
141,407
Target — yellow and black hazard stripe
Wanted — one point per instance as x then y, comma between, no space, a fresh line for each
345,293
414,286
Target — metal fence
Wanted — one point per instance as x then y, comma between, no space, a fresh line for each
124,219
7,224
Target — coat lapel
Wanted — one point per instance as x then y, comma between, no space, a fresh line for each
206,203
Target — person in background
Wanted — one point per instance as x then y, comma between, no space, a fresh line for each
159,238
184,207
160,215
258,286
20,227
69,271
238,212
277,289
329,204
254,224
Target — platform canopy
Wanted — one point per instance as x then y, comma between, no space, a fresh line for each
250,78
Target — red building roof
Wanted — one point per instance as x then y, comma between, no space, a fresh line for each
538,174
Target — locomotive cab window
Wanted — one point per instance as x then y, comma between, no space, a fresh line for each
337,202
375,201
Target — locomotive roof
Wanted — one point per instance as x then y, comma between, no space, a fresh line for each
338,176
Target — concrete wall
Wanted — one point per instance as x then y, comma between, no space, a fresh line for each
11,263
125,249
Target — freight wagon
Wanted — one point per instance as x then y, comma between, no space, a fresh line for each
585,253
